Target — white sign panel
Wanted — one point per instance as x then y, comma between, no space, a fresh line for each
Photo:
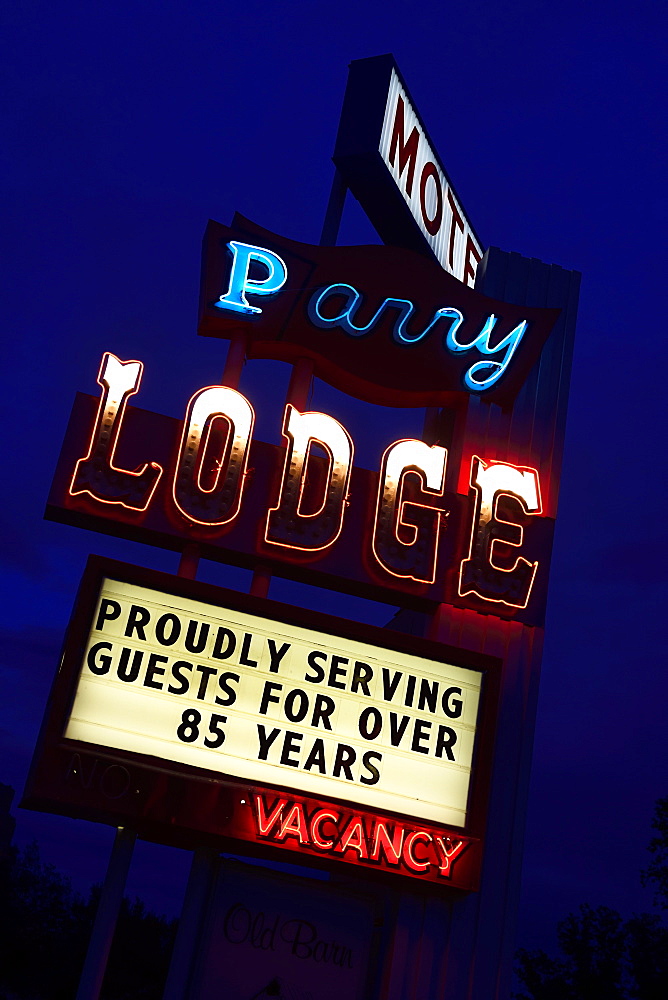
270,703
269,935
421,180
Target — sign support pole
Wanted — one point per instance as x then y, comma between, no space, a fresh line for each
108,908
334,212
200,881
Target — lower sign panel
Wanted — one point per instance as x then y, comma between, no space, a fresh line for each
272,703
259,943
334,729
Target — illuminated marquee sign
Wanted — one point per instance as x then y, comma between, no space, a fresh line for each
379,322
238,694
389,162
353,743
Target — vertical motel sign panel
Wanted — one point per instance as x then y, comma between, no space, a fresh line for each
390,164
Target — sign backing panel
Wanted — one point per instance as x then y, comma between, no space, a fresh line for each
272,703
383,323
348,565
276,701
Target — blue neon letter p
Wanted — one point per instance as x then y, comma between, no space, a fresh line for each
243,255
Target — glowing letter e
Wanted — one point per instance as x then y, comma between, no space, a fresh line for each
96,473
288,523
243,257
480,574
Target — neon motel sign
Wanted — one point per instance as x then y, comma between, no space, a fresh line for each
374,841
290,732
404,539
337,305
385,324
228,716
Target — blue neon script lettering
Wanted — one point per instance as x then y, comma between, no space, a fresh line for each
480,376
481,343
241,284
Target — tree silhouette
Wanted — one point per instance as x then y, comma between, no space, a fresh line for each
602,956
44,932
656,872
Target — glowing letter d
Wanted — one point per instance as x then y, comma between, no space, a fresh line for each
310,508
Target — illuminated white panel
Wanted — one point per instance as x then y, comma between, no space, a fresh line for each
385,700
425,188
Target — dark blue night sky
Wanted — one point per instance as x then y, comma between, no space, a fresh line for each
128,126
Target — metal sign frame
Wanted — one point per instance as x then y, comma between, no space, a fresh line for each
187,806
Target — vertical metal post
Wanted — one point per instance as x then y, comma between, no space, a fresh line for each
189,561
261,581
334,213
235,360
108,907
190,922
300,384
